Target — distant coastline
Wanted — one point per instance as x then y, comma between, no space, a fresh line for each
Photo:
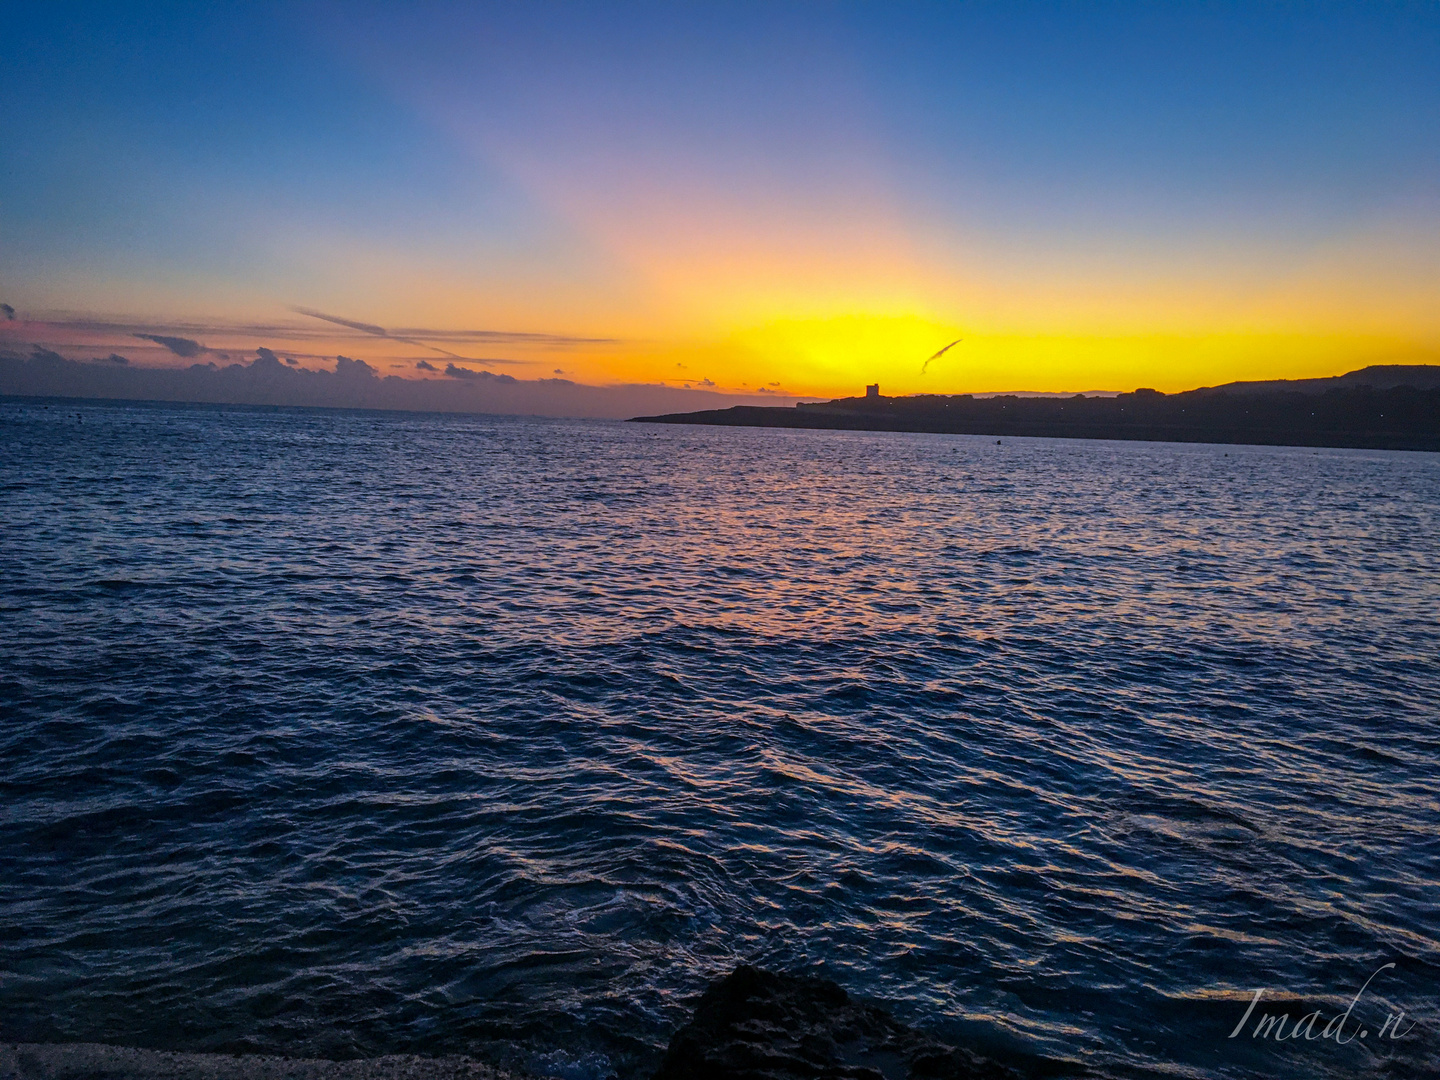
1394,407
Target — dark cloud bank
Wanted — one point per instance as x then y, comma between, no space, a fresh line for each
353,384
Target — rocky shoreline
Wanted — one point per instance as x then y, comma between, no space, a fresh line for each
94,1061
750,1025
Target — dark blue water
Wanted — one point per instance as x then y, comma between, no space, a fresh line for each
341,734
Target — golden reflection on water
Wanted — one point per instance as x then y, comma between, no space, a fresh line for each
1042,735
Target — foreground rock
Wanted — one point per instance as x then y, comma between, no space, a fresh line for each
757,1025
750,1025
89,1061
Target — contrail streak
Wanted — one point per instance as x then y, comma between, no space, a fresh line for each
939,354
378,331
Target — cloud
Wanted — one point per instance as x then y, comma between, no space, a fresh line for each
368,328
180,346
417,337
291,361
706,382
266,365
425,365
504,337
465,373
136,328
353,384
353,369
298,331
115,358
8,311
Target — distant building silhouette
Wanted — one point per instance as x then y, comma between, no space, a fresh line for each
873,390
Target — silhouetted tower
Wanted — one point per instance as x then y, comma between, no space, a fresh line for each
873,390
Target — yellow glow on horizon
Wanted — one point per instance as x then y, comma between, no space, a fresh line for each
826,356
838,356
786,309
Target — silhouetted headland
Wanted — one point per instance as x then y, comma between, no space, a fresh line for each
1395,407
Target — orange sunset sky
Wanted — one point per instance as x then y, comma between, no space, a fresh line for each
794,200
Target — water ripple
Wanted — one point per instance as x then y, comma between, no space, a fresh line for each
341,733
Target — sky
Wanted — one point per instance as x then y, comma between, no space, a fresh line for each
787,199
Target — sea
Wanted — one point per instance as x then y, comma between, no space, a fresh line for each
338,734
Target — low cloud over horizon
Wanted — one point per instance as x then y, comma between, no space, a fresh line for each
352,383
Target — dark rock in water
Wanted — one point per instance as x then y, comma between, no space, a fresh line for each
757,1025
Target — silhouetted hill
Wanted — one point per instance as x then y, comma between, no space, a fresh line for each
1369,408
1377,377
